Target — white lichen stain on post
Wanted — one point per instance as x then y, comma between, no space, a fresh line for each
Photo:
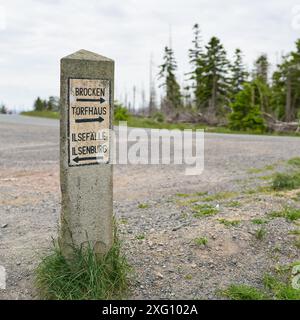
86,182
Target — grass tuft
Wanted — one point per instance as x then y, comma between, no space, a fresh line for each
229,223
279,289
140,237
297,243
201,241
294,161
286,181
295,232
182,195
260,233
201,210
259,221
85,276
143,206
290,214
243,292
233,204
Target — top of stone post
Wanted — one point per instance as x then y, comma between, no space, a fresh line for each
86,55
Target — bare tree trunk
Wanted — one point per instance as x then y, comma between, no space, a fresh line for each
288,106
214,96
252,96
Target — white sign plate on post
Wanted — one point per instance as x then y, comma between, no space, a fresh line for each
89,121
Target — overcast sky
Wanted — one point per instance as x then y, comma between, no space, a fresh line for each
34,35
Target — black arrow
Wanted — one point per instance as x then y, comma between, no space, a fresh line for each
100,119
101,100
77,159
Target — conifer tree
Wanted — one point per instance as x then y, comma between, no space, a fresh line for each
3,109
215,77
261,68
38,104
167,73
246,113
239,75
196,75
286,86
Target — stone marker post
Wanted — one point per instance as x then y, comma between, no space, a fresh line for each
87,86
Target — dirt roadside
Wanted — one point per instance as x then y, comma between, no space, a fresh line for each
158,237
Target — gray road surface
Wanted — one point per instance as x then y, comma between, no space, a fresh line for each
27,142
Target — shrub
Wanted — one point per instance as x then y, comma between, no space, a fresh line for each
120,113
283,181
159,117
245,114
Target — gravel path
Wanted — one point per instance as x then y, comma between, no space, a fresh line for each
159,239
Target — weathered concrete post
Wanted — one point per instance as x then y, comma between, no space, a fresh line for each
87,86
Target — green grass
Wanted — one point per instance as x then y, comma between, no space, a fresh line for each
42,114
266,178
233,204
286,181
143,122
143,206
187,195
258,190
188,277
140,122
243,292
250,191
294,161
268,167
140,237
297,197
184,216
290,214
201,194
255,170
297,243
182,195
259,221
276,286
85,276
201,210
188,202
295,232
279,289
260,234
201,241
229,223
123,221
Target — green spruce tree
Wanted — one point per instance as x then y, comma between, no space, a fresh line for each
239,74
260,83
246,114
196,59
3,109
286,87
215,78
261,69
167,74
38,104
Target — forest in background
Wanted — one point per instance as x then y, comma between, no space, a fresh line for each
218,91
224,93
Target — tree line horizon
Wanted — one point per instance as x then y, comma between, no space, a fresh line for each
220,91
224,91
